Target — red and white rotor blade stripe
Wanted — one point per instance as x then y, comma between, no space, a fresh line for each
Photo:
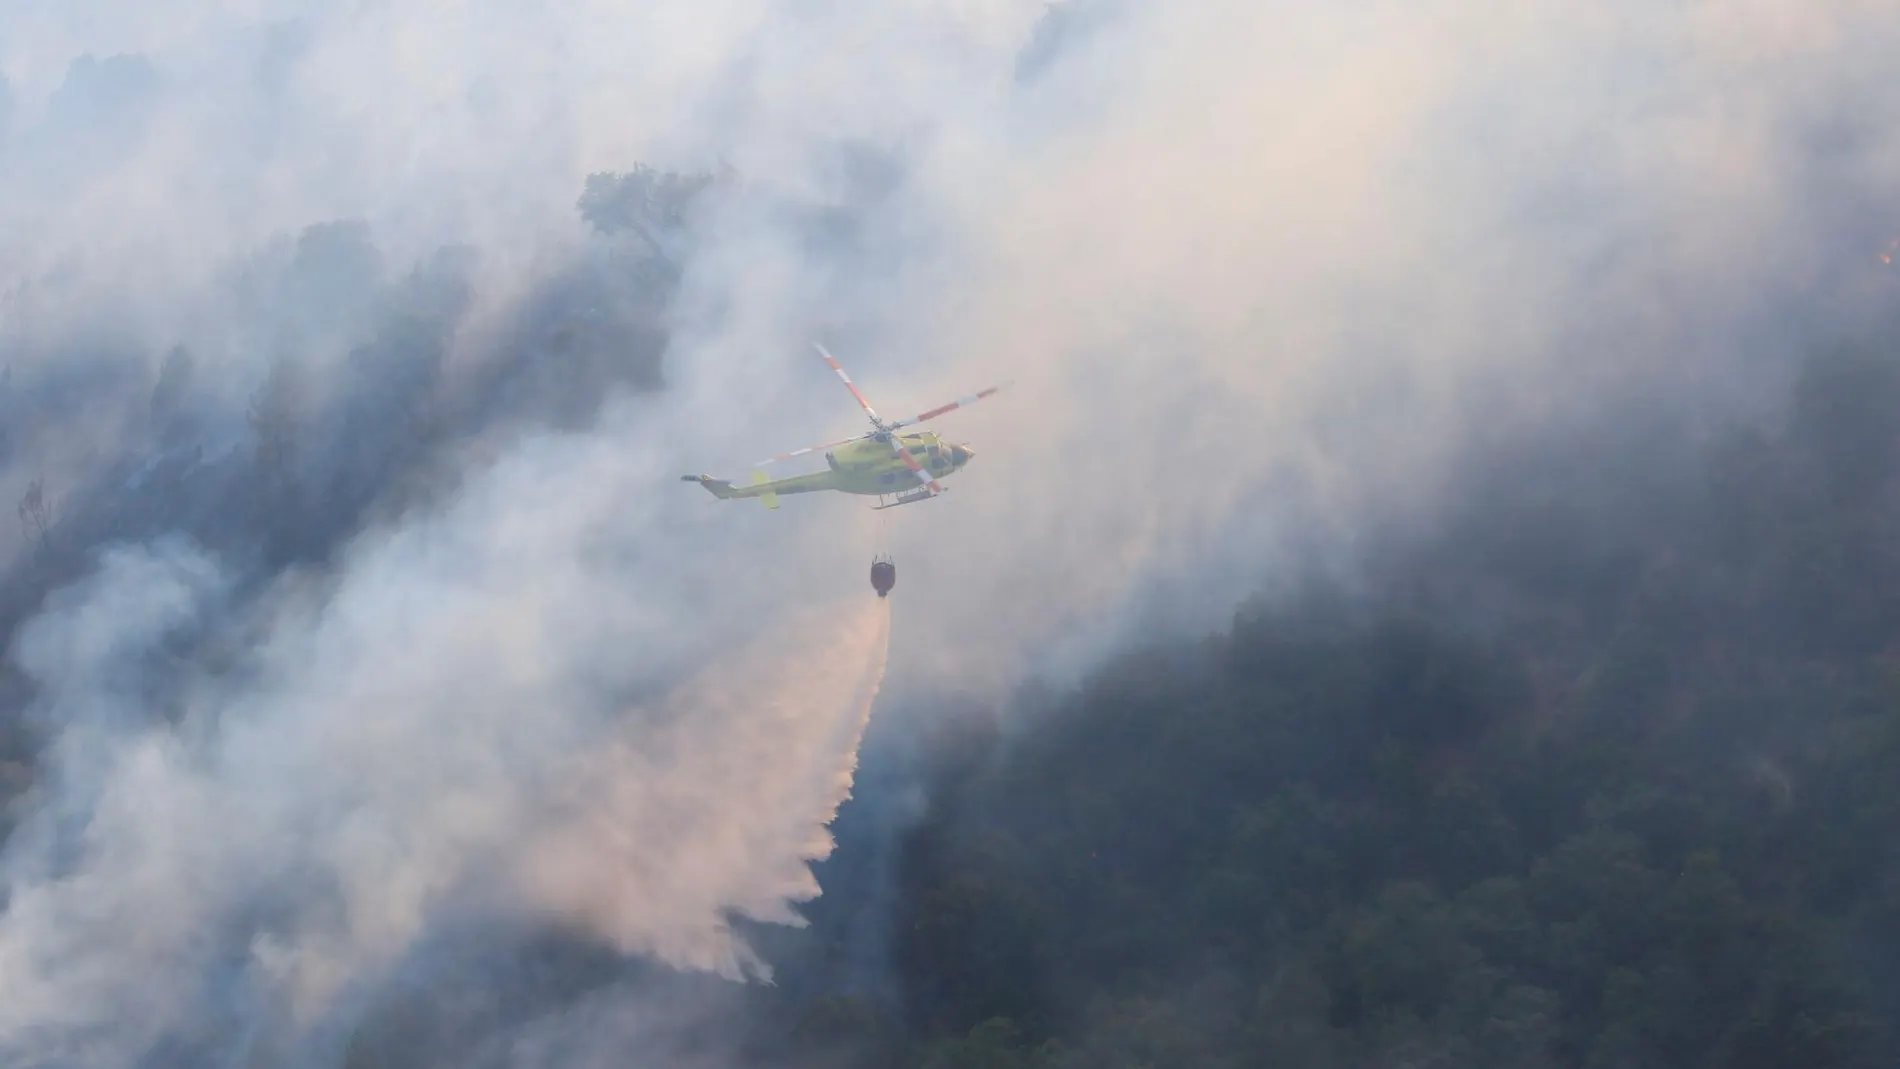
848,384
910,462
960,402
810,449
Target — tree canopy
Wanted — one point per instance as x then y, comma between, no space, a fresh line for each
1640,816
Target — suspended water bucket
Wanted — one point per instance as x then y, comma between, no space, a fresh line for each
883,576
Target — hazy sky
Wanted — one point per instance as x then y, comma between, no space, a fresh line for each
1256,269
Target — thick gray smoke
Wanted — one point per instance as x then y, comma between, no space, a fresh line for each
1259,272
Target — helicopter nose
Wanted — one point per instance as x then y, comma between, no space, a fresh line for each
965,454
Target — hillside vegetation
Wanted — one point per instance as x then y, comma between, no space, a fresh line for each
1606,775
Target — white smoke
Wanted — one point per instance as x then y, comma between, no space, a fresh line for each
634,857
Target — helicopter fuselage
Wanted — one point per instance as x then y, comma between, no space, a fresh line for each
868,467
883,463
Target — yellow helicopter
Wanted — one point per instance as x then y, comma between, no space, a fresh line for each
880,464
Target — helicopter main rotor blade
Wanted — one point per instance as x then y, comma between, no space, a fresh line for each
848,384
813,449
910,462
961,402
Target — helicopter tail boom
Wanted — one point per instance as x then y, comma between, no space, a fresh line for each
765,489
766,495
718,488
725,491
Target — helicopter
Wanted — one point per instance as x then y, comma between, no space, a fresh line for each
880,463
